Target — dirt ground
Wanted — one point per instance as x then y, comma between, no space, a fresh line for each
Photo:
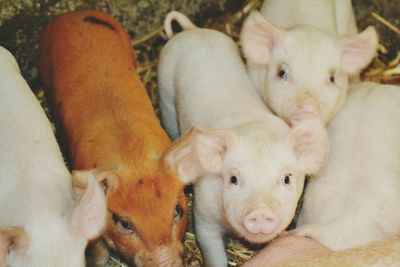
21,22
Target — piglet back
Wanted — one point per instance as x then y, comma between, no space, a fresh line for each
93,20
86,61
25,131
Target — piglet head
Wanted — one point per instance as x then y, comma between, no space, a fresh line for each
261,176
264,178
146,217
56,238
306,70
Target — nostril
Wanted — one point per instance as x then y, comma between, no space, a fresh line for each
269,226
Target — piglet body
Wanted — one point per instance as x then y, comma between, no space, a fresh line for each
331,16
299,56
41,223
87,65
354,200
378,254
247,167
287,248
292,251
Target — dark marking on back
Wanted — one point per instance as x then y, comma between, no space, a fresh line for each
141,182
97,21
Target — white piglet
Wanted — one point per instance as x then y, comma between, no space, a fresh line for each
248,167
331,16
41,224
355,199
300,70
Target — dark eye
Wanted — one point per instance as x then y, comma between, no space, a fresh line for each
234,180
286,179
332,76
282,72
123,224
178,213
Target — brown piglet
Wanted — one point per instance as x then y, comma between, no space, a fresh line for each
107,122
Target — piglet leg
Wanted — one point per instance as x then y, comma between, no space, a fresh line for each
210,239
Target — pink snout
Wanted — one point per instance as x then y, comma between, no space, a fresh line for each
260,221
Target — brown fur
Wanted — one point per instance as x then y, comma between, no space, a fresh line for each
108,122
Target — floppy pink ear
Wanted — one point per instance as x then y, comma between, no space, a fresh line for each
358,50
258,37
12,238
88,217
310,143
197,153
107,180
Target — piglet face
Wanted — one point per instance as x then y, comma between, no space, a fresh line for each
306,70
304,77
262,185
146,226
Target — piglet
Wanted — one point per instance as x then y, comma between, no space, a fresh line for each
286,249
87,66
379,254
291,251
42,223
354,200
331,16
302,71
246,165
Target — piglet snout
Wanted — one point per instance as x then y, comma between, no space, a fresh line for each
260,221
165,256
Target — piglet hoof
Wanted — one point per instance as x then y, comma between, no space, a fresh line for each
97,253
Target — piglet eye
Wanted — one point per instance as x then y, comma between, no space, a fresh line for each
234,180
282,72
178,213
286,179
332,76
123,224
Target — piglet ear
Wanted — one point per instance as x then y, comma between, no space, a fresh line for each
358,50
258,37
12,238
197,153
88,217
310,143
107,180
